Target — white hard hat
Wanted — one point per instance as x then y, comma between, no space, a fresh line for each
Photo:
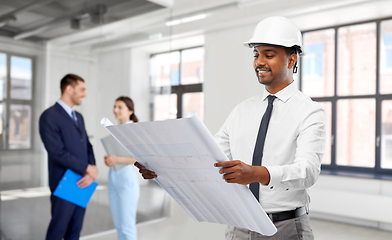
277,31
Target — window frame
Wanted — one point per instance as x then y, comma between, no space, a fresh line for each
179,90
7,101
375,172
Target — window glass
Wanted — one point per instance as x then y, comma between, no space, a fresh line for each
21,76
192,66
19,126
357,59
328,116
386,135
356,132
165,69
165,107
3,76
2,109
319,63
193,102
386,57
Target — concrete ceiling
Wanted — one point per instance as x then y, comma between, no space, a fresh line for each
138,23
48,19
150,29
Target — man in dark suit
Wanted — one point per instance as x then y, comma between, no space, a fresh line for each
64,135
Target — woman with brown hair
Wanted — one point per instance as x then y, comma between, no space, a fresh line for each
123,185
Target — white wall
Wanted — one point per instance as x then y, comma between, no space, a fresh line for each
366,202
140,83
113,80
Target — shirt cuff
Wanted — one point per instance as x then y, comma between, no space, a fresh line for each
275,177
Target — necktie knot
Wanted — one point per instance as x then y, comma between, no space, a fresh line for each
271,99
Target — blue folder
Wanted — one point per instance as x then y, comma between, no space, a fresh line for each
69,191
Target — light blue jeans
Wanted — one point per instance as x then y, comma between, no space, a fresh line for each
124,190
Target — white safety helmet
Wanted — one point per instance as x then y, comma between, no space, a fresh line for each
278,31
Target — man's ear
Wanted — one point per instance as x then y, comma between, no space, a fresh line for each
69,89
292,60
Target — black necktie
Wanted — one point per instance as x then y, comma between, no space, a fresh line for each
74,116
258,152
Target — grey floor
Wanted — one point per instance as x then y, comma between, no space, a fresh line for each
323,230
27,218
25,213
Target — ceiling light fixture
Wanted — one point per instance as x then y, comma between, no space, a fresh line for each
186,19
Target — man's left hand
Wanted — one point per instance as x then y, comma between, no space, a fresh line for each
239,172
85,181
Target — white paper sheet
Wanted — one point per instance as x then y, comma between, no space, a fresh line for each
182,152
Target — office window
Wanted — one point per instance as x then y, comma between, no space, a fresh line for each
318,77
176,83
16,95
386,57
314,59
21,76
350,72
3,75
356,132
357,59
328,115
386,135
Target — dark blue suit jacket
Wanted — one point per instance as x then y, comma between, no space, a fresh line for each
66,142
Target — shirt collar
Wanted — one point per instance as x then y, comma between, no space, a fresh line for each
67,108
284,94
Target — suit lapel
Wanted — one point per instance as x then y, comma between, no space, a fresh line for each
66,116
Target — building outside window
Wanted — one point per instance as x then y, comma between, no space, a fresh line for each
176,83
348,70
16,81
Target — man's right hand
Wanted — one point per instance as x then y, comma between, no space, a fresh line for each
85,181
92,170
146,174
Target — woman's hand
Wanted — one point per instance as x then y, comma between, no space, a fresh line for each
110,160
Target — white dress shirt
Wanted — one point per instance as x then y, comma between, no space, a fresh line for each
293,149
67,108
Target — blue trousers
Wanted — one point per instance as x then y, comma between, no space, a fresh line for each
67,220
124,190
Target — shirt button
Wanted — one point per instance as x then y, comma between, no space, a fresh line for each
272,187
287,189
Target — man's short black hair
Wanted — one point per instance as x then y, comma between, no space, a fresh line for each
69,79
